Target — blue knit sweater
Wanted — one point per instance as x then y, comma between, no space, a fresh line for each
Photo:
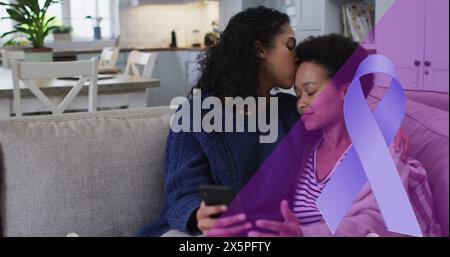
193,159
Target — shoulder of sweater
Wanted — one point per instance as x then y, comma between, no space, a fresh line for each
287,107
287,102
286,98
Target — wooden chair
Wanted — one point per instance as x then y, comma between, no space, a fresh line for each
8,56
28,72
146,61
108,58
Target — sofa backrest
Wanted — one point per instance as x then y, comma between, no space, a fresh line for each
434,99
427,128
101,174
96,174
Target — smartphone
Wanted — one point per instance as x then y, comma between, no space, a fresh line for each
216,195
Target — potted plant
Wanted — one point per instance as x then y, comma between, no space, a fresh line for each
13,50
97,29
31,20
13,45
62,33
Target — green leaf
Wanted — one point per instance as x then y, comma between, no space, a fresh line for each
13,14
30,18
5,4
8,33
47,31
23,30
48,3
34,5
50,20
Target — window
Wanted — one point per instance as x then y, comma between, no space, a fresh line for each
53,10
74,12
5,25
82,27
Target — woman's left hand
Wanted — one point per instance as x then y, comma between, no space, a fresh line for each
402,142
289,228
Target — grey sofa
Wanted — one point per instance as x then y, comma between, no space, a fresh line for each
101,174
97,174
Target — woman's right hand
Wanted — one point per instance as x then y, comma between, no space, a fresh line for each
222,227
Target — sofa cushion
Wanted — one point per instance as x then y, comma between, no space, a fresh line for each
434,99
428,130
94,174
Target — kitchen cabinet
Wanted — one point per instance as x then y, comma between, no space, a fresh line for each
422,36
143,2
436,72
227,9
315,17
308,17
170,70
192,70
178,72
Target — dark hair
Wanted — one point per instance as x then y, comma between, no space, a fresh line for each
333,51
231,67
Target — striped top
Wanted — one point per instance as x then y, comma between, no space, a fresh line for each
309,189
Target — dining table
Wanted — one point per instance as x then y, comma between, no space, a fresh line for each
114,91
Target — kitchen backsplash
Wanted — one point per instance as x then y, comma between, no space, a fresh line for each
151,25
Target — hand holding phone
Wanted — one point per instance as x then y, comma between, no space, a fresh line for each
216,195
215,202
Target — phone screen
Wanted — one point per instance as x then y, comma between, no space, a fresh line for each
217,195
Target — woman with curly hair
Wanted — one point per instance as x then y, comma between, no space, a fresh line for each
255,53
321,83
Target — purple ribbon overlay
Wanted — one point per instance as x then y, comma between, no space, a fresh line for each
369,158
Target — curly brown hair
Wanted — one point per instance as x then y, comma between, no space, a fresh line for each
231,68
333,52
